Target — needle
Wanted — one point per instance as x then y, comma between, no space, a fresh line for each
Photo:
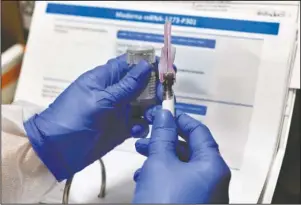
166,70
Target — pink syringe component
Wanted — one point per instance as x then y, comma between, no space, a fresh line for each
167,73
167,54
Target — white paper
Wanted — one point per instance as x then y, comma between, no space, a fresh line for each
295,79
237,80
278,10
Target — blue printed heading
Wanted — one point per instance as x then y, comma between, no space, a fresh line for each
176,40
159,18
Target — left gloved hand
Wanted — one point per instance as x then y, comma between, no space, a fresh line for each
90,118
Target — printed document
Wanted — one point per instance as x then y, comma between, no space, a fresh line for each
277,10
233,73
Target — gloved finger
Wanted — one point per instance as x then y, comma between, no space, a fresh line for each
197,135
159,93
182,149
112,72
115,69
192,131
140,128
149,114
131,85
142,146
164,135
137,174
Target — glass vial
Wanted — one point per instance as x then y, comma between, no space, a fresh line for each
148,97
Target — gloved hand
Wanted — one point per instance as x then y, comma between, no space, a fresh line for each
199,176
90,118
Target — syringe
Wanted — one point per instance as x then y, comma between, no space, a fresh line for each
166,71
168,94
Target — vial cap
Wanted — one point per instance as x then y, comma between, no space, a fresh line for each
137,53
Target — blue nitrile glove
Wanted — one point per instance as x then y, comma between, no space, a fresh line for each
90,118
202,175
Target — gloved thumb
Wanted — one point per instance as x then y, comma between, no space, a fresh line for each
137,174
132,84
164,135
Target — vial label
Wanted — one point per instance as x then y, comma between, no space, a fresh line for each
150,91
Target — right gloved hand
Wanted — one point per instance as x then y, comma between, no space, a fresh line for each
201,177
